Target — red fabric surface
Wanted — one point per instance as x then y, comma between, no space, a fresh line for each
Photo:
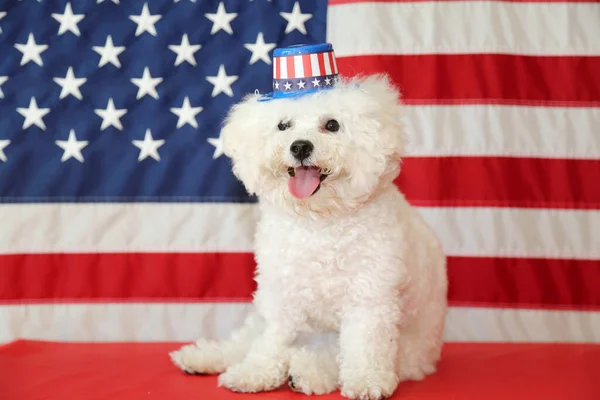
39,370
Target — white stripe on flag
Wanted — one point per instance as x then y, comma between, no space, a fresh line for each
486,130
538,28
150,322
207,227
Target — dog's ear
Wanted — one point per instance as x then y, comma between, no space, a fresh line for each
234,135
239,139
385,99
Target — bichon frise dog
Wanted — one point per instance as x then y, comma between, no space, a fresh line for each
338,249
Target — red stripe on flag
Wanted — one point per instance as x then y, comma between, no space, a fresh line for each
527,283
127,276
175,277
501,182
482,78
276,72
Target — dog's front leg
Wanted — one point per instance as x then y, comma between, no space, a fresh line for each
266,365
369,343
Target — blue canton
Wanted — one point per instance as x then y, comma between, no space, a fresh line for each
123,100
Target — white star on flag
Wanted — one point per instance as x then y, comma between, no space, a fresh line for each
316,82
31,51
2,15
33,115
3,80
218,143
3,144
68,20
260,50
72,147
146,84
109,53
70,84
185,51
187,114
145,21
111,116
102,1
221,20
222,83
295,19
148,147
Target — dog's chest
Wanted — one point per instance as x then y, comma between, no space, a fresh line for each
306,267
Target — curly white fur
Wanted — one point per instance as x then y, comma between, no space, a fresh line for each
354,258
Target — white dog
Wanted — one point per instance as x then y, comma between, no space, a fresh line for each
338,249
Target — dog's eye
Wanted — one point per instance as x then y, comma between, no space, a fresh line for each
332,125
284,125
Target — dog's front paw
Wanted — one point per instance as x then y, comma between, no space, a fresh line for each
310,384
313,373
251,378
369,386
203,357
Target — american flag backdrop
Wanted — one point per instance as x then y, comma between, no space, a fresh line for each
120,218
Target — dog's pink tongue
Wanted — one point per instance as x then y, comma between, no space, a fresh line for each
304,182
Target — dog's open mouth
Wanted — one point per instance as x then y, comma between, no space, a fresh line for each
305,181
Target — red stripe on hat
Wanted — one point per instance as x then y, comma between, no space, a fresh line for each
334,62
307,66
291,72
276,67
322,63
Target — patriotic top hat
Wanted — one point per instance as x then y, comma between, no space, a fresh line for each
302,69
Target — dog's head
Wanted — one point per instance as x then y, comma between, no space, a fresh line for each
318,154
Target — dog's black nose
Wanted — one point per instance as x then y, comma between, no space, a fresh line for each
301,149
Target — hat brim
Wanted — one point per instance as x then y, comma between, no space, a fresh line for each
289,95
